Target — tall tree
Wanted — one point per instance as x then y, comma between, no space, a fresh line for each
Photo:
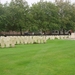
45,15
65,10
1,18
18,12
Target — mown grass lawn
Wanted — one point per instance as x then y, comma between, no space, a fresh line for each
56,57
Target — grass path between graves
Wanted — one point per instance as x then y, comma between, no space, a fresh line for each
56,57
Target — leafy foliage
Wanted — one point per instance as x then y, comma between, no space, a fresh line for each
41,16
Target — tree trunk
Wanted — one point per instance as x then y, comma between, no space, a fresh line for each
20,30
59,32
63,31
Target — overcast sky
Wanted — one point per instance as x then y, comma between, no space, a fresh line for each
32,1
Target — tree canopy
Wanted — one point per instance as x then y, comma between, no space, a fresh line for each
41,16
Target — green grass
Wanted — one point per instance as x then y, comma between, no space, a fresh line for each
56,57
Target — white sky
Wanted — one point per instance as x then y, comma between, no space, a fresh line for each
33,1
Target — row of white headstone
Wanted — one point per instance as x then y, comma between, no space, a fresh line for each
14,40
11,41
